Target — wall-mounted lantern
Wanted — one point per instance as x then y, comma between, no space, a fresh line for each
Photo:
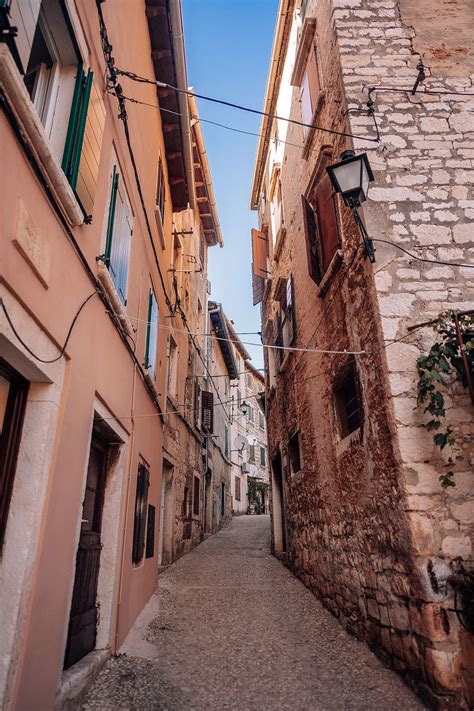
351,177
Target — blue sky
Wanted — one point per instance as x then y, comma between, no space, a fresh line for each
228,45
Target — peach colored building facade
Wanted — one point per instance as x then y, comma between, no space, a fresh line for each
82,416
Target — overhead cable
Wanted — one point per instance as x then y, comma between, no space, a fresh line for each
239,107
62,350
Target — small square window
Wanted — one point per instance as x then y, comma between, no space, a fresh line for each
348,404
294,453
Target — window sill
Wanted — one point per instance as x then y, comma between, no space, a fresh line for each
330,272
150,379
351,439
308,141
279,243
20,104
109,287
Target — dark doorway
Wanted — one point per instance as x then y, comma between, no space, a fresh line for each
222,499
83,617
279,528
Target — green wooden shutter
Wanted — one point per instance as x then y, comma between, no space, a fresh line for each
141,501
77,124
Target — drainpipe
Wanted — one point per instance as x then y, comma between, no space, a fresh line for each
180,64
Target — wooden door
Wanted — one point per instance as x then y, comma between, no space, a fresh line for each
83,617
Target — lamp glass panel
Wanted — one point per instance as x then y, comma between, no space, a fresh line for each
365,178
348,176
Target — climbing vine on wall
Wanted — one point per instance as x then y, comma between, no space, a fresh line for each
451,356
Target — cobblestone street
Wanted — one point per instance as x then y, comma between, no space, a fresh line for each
232,628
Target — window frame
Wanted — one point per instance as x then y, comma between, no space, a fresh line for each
341,401
117,188
151,342
141,513
10,438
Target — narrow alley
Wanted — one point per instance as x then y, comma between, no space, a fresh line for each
230,627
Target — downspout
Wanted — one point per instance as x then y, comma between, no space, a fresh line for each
182,83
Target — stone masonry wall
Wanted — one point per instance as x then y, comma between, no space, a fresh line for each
423,200
368,527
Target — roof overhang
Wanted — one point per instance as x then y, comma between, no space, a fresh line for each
280,45
203,182
164,57
237,342
219,323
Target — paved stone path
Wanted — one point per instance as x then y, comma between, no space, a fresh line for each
231,628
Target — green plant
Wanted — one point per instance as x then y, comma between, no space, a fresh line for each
445,359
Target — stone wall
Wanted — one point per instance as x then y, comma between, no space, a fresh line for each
368,527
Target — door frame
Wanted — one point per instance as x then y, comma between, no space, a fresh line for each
113,512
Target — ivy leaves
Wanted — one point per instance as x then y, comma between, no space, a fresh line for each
444,359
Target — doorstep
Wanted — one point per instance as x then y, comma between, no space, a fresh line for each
78,678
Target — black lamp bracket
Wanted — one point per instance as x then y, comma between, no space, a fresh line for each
369,245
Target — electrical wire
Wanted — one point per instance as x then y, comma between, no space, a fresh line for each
239,107
68,336
423,259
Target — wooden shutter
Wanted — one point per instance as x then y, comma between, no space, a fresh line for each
237,488
93,132
207,402
151,332
313,79
327,221
150,532
258,287
312,241
24,16
260,254
196,495
143,479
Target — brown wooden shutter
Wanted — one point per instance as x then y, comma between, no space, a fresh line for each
313,78
289,311
327,221
312,241
260,253
207,399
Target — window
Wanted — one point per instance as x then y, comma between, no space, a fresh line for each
251,414
277,206
141,501
348,404
248,380
160,191
196,495
197,405
61,88
172,368
119,234
237,488
263,457
310,89
239,398
261,420
251,453
321,228
294,453
283,323
151,332
185,503
226,440
150,532
13,395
